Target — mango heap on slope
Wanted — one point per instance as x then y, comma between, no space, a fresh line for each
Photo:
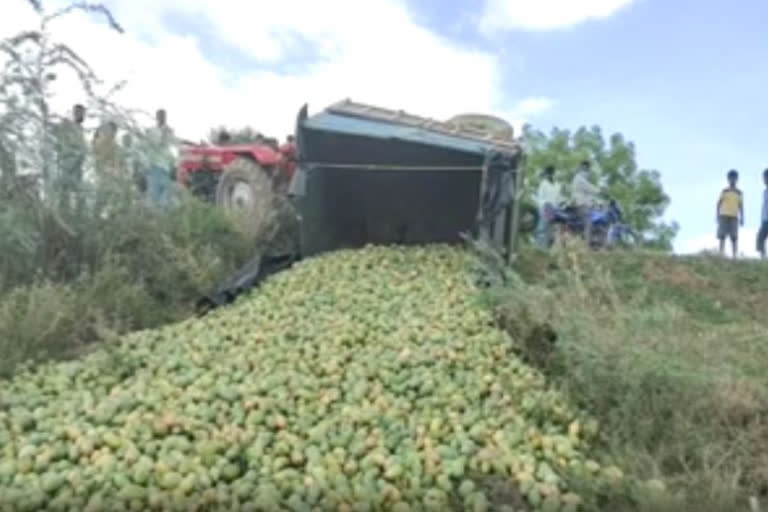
358,380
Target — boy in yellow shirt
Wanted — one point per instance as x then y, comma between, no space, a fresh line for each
730,213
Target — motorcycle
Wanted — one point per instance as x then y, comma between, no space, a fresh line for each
608,229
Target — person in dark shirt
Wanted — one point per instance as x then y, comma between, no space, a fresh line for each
71,149
762,234
224,138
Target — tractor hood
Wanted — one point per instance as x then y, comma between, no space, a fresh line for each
372,175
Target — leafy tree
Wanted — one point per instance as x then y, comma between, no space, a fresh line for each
639,191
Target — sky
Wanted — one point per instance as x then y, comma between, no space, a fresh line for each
685,80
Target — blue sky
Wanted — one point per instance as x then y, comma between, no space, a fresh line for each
684,79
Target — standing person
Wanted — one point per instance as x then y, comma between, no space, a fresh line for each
762,234
730,213
105,151
71,149
160,174
106,164
289,154
129,163
289,148
547,198
584,195
224,138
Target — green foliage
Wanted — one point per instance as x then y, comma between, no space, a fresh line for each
45,320
33,320
638,191
633,339
114,265
86,259
112,220
32,64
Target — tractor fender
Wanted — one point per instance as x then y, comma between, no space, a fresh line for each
265,156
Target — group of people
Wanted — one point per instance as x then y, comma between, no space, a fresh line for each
150,164
584,195
730,215
152,169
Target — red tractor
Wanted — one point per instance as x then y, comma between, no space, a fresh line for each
243,178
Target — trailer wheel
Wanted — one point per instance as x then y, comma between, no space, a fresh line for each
245,191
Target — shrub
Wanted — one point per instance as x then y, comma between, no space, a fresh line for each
680,396
81,265
36,321
114,265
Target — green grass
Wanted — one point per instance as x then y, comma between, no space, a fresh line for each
124,266
708,288
668,353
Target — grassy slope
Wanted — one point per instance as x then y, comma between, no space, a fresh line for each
710,289
669,353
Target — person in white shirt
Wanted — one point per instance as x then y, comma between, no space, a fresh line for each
547,197
584,196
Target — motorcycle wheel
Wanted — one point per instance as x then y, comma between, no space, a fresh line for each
622,237
599,237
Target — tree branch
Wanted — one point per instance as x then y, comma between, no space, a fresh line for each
22,37
37,5
87,7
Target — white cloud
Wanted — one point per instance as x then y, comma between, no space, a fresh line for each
545,14
708,243
370,51
532,106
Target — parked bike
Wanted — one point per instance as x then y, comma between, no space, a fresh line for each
608,228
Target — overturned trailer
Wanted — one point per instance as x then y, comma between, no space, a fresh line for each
368,175
371,175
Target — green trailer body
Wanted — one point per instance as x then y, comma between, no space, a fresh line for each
368,175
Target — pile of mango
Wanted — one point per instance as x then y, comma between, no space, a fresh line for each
359,380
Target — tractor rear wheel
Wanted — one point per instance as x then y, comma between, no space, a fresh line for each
245,190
